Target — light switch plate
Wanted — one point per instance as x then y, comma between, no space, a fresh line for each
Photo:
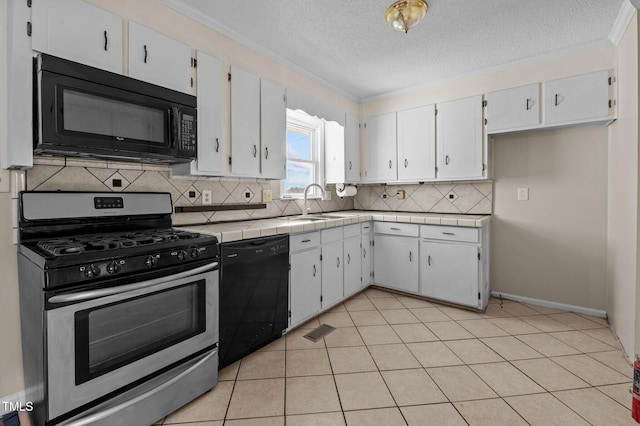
523,194
267,196
5,181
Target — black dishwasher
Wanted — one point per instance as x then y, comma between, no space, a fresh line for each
254,295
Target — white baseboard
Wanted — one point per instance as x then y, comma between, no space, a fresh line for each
13,399
548,304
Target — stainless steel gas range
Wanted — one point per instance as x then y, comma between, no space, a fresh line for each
119,310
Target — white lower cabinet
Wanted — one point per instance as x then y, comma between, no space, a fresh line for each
353,273
332,272
396,256
451,266
305,280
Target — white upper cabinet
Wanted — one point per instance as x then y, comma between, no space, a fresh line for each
209,92
581,98
159,59
334,153
417,143
78,31
380,131
245,123
352,141
513,109
273,133
460,139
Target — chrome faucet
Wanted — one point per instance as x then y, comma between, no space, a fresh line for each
305,208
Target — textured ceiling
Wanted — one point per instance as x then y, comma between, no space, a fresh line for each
348,44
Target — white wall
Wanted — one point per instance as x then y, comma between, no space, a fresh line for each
622,228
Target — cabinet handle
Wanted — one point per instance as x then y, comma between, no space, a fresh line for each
389,163
266,152
314,270
395,229
255,151
406,163
556,101
528,105
106,41
364,253
145,53
429,260
338,262
447,160
348,259
350,165
410,257
217,145
305,241
448,233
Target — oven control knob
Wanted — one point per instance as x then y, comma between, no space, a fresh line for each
113,267
182,255
150,261
195,253
91,271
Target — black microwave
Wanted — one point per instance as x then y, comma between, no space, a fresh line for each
84,111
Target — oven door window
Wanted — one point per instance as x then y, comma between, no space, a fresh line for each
92,114
110,336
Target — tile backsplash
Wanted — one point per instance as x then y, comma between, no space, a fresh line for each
52,174
452,197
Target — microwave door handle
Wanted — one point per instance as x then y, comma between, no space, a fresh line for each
113,411
93,294
174,118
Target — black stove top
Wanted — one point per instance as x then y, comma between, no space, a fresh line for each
91,243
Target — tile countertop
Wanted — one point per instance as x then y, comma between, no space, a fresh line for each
234,231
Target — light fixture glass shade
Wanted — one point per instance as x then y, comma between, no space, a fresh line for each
405,14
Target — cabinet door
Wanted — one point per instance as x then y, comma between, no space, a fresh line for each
305,285
381,148
417,143
450,272
332,273
245,123
512,109
460,139
352,141
578,98
78,31
209,89
367,258
273,130
159,59
352,265
396,262
334,152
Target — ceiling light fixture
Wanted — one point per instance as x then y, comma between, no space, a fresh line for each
405,14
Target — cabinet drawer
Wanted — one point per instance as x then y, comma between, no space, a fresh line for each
331,234
365,227
393,228
351,230
304,241
450,233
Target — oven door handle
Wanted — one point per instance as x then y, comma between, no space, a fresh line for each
94,294
102,415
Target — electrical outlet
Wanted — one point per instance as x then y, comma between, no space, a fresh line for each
523,194
206,197
401,194
267,196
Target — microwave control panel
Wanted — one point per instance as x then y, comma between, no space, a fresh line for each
187,136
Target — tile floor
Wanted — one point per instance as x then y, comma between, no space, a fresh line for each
397,360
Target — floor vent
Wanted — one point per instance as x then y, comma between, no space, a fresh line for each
319,332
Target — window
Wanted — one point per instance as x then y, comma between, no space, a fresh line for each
304,159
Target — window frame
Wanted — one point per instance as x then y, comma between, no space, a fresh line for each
300,120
